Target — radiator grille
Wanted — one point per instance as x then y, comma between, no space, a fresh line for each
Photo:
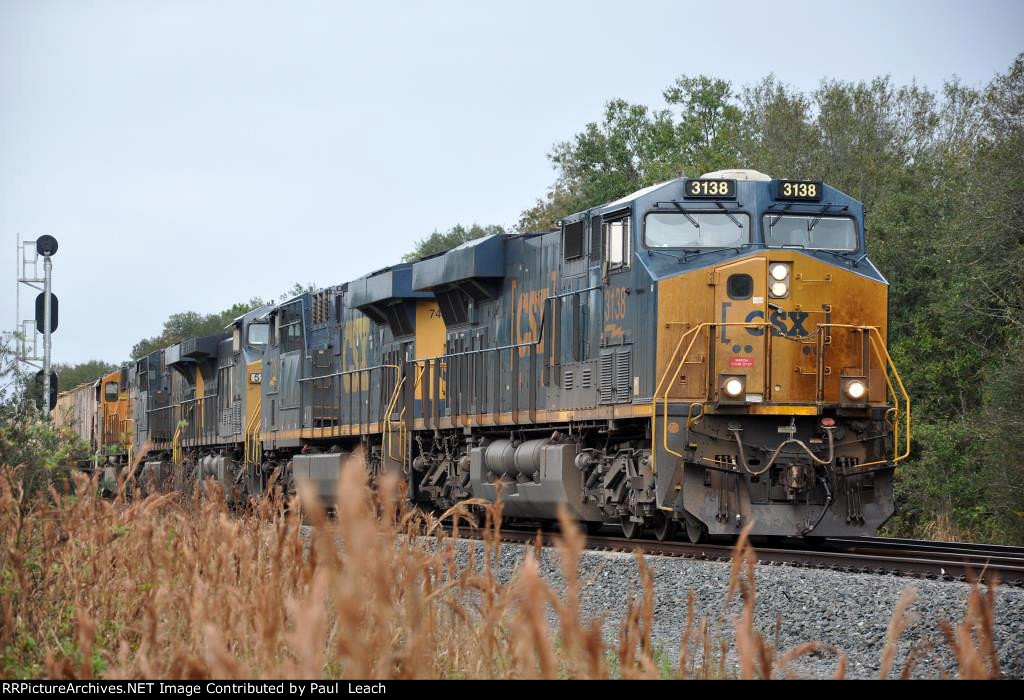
623,374
607,378
616,375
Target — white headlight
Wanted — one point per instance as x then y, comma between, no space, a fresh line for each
733,387
779,289
856,390
780,272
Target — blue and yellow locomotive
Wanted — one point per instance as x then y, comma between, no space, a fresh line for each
704,352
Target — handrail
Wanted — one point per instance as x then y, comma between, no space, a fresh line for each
346,373
251,436
200,417
390,409
160,408
906,397
176,447
443,360
402,431
887,365
885,361
126,436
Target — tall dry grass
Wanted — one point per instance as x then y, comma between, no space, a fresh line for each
182,588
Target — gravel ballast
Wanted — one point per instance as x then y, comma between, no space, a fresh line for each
850,611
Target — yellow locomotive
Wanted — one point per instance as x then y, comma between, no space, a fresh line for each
99,414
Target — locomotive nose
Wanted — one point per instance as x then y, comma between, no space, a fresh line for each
770,310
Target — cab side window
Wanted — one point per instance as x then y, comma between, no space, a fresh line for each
572,241
290,328
617,243
110,391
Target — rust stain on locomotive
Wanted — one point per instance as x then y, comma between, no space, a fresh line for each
780,364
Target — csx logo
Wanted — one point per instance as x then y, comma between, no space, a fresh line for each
783,323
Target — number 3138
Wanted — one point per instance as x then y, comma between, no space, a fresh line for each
713,187
799,189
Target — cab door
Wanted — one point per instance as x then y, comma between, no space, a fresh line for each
740,351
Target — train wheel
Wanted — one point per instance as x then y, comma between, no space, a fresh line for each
695,531
664,526
630,529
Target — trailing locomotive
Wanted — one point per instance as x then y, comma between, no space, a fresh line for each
704,352
98,414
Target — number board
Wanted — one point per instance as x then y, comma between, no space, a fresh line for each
800,190
710,189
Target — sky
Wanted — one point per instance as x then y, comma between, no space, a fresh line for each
190,155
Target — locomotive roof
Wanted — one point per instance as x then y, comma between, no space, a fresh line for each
633,195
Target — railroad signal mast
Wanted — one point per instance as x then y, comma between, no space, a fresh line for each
27,331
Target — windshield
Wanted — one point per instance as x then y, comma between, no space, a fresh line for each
696,230
258,333
812,232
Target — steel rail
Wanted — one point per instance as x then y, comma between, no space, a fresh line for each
839,555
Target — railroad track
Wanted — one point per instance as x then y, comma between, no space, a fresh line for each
874,555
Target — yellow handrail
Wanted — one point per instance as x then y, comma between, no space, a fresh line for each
176,446
887,366
668,372
875,344
399,381
673,367
402,430
255,439
250,448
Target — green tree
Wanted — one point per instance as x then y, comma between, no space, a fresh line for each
709,126
295,290
631,148
11,375
991,256
32,453
635,146
190,324
441,241
777,134
71,375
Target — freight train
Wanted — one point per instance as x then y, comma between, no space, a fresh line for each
699,355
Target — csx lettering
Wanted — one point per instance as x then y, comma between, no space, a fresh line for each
528,310
784,323
615,304
354,342
788,323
